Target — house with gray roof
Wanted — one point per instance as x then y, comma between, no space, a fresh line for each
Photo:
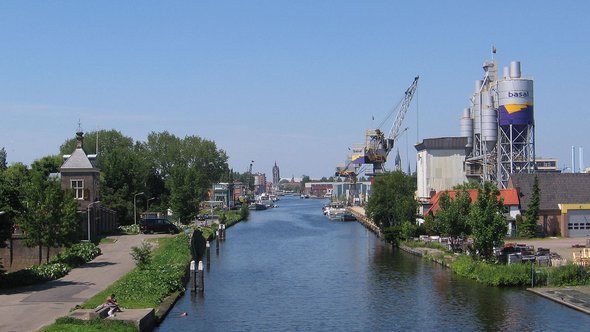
79,173
564,201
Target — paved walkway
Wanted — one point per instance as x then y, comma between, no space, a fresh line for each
32,307
576,297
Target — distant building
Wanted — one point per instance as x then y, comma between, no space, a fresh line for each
564,201
259,183
398,162
440,165
546,165
276,176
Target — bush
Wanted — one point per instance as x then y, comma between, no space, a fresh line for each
519,274
58,266
77,254
50,271
244,212
142,255
493,274
146,288
570,275
409,230
129,229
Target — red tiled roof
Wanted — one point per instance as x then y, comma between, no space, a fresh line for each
510,197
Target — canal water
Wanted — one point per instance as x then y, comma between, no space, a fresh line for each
292,269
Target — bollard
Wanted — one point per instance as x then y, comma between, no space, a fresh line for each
208,246
217,242
200,278
193,279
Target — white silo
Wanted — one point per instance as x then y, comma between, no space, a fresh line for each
466,128
516,125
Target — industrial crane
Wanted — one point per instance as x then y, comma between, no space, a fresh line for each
377,145
349,171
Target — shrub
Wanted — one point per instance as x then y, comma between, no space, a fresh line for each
568,275
50,271
142,255
244,212
493,274
129,229
143,288
58,266
77,254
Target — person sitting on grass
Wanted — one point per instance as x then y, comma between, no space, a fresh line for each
112,305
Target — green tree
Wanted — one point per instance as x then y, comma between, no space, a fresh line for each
467,185
453,216
3,163
529,224
392,201
47,165
13,180
123,170
49,219
487,222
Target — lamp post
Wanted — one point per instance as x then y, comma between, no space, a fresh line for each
147,204
135,207
88,211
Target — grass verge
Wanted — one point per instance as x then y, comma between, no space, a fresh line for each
68,324
147,287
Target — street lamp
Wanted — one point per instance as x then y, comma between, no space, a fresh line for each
88,211
147,204
135,207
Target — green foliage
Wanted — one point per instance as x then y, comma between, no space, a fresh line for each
69,324
77,254
528,227
568,275
12,183
58,267
467,186
493,274
3,157
392,201
129,229
453,217
520,274
142,255
408,230
244,212
50,271
391,234
146,288
420,244
487,222
431,226
49,217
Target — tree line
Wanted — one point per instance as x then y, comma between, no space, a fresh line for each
394,208
171,172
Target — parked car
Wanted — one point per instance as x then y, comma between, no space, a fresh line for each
157,225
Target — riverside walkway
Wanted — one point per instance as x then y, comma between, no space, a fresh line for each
33,307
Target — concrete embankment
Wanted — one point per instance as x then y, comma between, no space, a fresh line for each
359,213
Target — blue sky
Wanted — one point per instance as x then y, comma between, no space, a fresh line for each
296,82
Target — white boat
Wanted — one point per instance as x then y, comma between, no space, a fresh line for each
335,211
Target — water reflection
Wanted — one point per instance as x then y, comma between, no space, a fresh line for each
290,269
